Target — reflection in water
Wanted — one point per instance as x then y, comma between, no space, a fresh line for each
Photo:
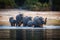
27,33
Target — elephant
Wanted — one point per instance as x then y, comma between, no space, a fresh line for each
38,21
19,18
25,20
12,21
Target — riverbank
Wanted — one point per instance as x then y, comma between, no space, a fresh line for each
53,18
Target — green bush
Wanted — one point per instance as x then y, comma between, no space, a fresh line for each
10,3
35,5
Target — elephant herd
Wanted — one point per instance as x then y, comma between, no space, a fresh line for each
27,21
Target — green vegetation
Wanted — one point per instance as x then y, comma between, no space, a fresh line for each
8,3
35,5
28,4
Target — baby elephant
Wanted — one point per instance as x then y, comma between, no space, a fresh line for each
30,23
12,21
